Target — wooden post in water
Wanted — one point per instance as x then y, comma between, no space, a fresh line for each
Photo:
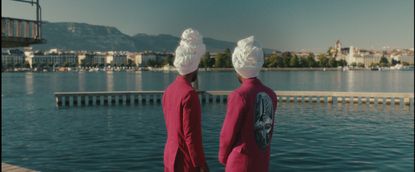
371,100
330,99
406,100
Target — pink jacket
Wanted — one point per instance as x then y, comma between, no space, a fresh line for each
182,113
246,134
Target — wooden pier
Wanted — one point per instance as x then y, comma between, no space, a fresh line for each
12,168
74,99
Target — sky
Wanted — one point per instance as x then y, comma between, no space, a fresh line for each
286,25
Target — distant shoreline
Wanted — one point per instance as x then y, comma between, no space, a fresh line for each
278,69
203,70
284,69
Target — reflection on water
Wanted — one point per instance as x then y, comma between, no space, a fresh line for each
307,137
29,83
109,123
138,81
81,82
110,81
351,80
350,107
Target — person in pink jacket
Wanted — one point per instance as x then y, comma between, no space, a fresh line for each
246,134
183,151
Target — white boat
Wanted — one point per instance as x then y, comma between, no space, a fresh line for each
397,67
345,68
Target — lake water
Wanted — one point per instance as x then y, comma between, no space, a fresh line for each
307,137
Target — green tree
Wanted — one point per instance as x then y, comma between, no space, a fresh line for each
207,61
151,63
310,61
280,61
82,63
286,58
223,60
332,62
294,62
169,59
17,65
383,61
394,62
373,65
26,64
303,62
220,60
361,65
354,64
130,63
342,62
323,61
329,51
66,64
271,61
228,58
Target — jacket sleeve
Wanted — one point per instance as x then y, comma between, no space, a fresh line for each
192,129
231,126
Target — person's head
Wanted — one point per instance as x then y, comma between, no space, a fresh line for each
188,54
239,77
247,59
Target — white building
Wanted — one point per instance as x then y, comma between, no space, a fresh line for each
11,58
109,57
55,59
120,59
81,58
141,59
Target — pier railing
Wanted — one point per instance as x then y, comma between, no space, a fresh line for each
71,99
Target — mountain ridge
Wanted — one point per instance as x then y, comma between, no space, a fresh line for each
84,36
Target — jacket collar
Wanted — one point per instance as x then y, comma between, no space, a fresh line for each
183,80
251,81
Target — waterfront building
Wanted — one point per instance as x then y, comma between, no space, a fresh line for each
303,53
99,59
337,50
55,59
109,57
354,55
12,58
142,59
408,58
120,59
28,53
81,58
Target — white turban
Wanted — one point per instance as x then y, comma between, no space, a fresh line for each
247,58
189,52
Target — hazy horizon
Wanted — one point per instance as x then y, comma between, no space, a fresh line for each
282,25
